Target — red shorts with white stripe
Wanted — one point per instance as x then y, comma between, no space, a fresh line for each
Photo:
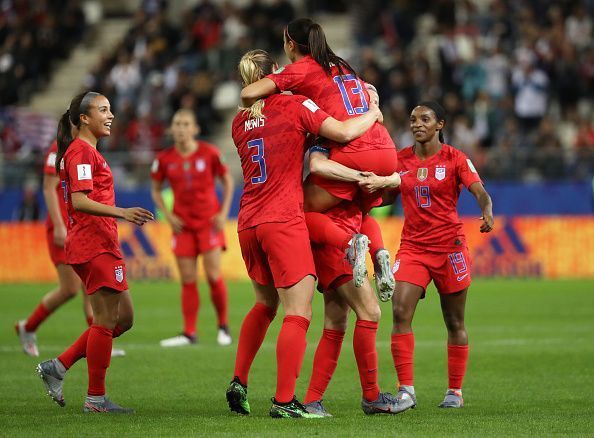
450,271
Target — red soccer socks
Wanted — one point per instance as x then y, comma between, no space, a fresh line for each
98,358
252,333
324,364
403,347
76,351
218,295
457,360
190,302
366,357
37,317
290,349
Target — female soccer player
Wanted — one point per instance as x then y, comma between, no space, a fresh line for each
92,248
273,236
317,73
197,220
68,282
433,246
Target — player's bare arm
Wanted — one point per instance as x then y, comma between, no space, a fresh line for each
257,90
221,217
344,132
372,183
175,222
321,165
486,205
50,182
136,215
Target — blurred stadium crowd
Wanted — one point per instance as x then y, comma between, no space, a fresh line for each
516,76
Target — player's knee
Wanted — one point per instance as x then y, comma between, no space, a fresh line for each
401,315
374,313
455,326
336,322
69,291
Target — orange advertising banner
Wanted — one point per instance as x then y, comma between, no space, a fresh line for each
548,247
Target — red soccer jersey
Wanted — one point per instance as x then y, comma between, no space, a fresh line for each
49,168
271,150
192,180
341,98
430,190
83,169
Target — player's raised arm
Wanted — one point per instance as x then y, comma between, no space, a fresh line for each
257,90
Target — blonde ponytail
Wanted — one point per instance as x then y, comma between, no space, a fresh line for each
253,66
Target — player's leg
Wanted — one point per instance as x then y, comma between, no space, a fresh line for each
87,309
190,301
336,312
68,286
106,306
453,306
404,304
384,279
211,261
251,335
290,347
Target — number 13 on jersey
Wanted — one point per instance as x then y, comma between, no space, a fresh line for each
258,157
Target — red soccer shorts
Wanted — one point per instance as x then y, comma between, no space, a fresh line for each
56,252
332,267
191,243
278,253
105,270
450,271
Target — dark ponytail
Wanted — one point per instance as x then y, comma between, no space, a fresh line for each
79,105
440,114
311,40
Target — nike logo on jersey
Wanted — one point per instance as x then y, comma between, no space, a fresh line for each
461,277
403,173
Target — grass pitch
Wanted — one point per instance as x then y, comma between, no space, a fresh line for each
530,372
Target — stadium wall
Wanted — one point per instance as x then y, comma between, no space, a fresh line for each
509,199
537,247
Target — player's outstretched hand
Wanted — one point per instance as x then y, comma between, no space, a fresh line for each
138,215
371,183
488,223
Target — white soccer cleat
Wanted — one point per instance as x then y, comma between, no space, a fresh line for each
178,341
118,352
28,339
384,278
355,255
223,337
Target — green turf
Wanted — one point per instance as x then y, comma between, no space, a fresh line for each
530,372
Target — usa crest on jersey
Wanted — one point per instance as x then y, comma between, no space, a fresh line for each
422,173
200,165
440,172
119,273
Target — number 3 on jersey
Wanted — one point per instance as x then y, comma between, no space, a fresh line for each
258,157
357,89
423,197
